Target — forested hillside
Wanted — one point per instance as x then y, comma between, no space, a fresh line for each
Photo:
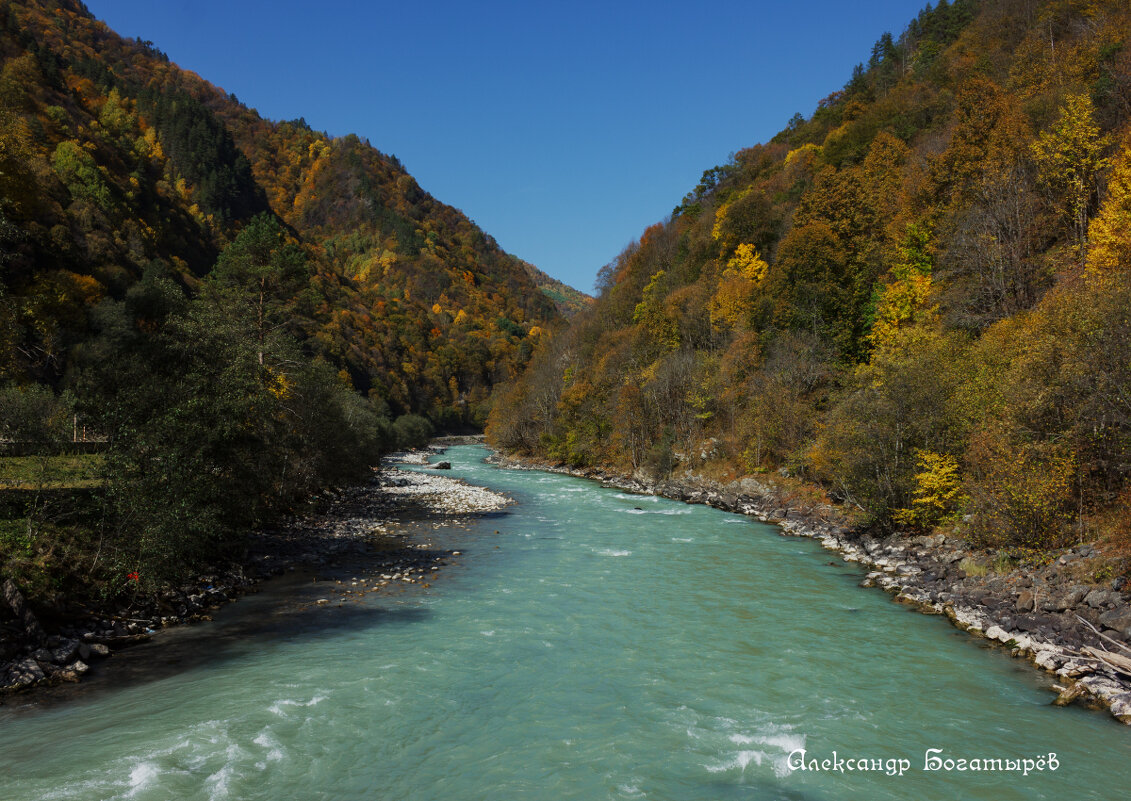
114,161
917,296
207,317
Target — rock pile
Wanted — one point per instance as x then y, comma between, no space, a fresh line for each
438,493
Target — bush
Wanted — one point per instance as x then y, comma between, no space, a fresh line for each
34,418
1021,495
412,431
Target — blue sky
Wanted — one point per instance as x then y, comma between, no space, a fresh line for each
562,128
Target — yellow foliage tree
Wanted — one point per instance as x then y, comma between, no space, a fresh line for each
1070,159
938,490
747,263
731,301
651,314
722,211
1109,235
902,303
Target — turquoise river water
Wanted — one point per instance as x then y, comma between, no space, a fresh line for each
587,644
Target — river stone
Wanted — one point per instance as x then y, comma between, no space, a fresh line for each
1025,601
1121,707
24,673
1064,599
73,672
65,653
996,633
1118,619
98,649
1023,642
1099,598
42,655
443,465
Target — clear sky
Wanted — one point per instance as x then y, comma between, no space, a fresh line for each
562,128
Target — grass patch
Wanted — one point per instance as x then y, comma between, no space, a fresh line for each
1003,564
51,472
972,567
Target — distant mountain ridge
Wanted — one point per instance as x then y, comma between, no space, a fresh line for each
569,301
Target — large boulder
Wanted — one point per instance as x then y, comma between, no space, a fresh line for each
65,653
1025,601
1118,619
1099,598
24,673
15,601
1068,598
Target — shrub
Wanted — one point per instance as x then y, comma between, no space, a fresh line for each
412,431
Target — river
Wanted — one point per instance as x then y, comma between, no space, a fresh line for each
586,644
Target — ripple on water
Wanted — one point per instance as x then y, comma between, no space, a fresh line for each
282,704
668,512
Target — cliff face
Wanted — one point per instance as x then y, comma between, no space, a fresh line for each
113,159
915,297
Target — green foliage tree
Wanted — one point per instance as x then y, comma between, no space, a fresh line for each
898,404
206,442
257,274
78,171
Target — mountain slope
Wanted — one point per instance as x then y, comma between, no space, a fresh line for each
568,300
113,158
916,296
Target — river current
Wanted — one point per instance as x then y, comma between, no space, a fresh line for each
586,644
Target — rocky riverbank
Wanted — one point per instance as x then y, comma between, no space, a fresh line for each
1066,615
359,528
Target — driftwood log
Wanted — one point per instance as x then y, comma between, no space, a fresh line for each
1119,661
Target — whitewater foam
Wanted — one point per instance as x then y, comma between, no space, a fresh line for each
142,776
278,706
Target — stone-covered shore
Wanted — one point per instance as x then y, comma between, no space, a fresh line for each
360,526
1058,616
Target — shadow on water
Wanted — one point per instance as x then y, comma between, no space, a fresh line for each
495,514
284,610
